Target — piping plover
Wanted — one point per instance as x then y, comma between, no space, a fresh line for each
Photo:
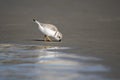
49,30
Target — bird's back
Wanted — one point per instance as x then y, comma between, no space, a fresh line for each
50,26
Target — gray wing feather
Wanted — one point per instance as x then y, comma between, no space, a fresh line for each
50,26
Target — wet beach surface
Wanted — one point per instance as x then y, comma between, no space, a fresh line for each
90,49
28,62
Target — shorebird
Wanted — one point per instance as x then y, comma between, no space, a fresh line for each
49,30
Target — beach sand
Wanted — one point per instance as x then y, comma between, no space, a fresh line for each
89,27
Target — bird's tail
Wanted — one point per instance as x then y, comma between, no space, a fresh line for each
36,21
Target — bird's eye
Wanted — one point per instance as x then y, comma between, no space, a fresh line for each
59,37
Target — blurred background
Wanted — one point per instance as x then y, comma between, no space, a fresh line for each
91,24
90,45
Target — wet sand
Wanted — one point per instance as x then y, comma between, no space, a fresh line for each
90,27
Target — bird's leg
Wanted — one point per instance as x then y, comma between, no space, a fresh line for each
48,38
45,38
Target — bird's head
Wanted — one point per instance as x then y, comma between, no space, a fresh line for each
58,36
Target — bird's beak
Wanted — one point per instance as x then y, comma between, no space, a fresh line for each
60,40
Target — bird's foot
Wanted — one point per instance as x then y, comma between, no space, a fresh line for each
47,39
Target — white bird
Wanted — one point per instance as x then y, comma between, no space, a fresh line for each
49,30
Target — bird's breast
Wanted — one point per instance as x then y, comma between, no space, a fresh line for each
47,32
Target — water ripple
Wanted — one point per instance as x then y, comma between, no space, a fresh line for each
35,62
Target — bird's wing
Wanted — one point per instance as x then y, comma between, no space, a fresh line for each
50,26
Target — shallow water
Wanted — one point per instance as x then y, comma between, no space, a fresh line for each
91,40
34,62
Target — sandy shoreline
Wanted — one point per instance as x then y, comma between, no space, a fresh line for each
83,24
90,27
